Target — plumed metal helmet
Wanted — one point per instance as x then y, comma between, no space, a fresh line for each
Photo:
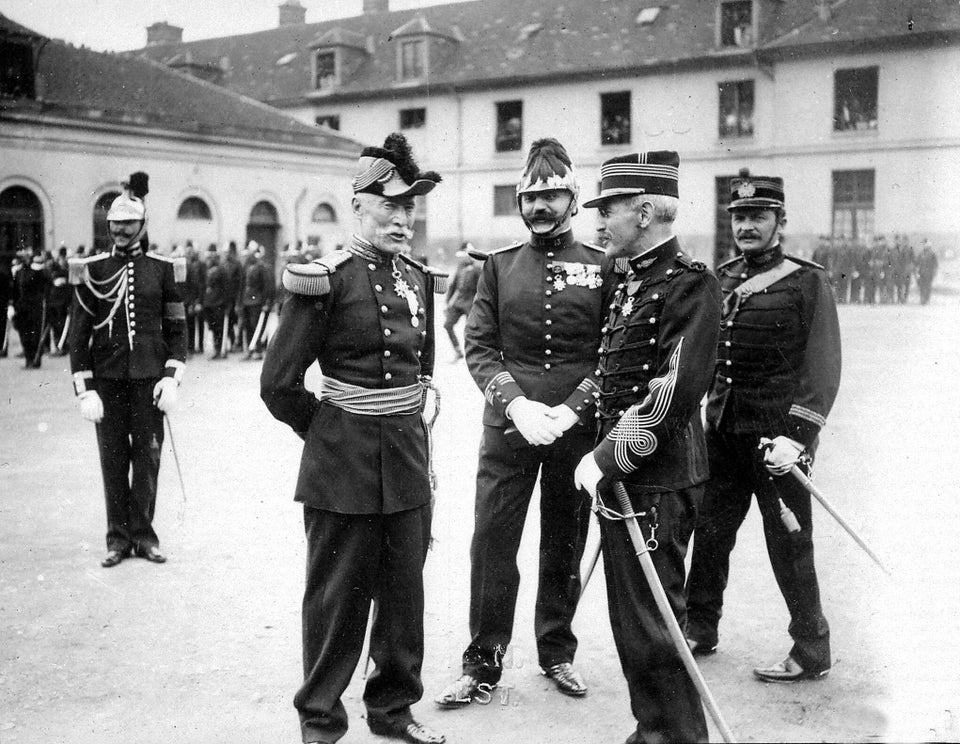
548,167
127,207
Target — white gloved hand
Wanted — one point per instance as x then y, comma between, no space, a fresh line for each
588,475
532,420
91,407
165,394
781,454
563,418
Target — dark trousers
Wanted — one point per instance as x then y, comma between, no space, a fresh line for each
453,315
663,698
505,479
215,317
29,324
737,473
130,439
195,330
251,316
57,319
353,560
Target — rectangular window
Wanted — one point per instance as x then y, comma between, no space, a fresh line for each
16,71
509,126
415,118
855,98
505,201
330,121
736,109
723,246
853,213
326,75
736,23
615,118
413,59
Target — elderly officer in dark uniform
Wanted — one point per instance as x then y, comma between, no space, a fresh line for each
531,343
655,364
778,371
127,353
365,313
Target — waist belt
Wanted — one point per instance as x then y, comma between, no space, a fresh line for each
371,401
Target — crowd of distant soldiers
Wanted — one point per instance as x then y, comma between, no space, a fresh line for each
879,272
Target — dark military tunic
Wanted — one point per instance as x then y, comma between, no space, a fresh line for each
533,331
31,284
127,330
363,476
655,365
778,372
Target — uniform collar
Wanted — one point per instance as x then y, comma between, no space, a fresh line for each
767,258
367,251
133,250
554,243
650,256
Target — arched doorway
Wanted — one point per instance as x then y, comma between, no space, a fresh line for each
101,233
21,221
263,227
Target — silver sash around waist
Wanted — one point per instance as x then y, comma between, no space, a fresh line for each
396,401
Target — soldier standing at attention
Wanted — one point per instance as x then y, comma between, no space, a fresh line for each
778,371
127,352
365,313
531,343
656,359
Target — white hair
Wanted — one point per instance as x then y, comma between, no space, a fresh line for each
664,207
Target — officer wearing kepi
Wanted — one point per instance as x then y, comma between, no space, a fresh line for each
656,359
531,343
777,374
365,314
127,353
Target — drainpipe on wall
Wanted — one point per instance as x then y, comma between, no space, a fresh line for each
459,166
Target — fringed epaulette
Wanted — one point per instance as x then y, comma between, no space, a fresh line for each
684,260
77,267
595,247
803,261
313,278
179,265
440,279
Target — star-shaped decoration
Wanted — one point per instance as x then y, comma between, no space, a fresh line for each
559,284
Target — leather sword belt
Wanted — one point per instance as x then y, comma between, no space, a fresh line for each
398,401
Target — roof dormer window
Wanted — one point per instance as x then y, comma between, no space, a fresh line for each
736,23
413,59
16,71
325,69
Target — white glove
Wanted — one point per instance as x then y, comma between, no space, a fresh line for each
563,418
588,475
781,454
532,420
165,394
91,407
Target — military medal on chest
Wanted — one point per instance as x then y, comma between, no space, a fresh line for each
406,292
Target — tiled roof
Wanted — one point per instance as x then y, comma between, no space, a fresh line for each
875,22
511,42
77,83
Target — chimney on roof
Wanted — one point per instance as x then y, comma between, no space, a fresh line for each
376,6
292,13
824,10
162,32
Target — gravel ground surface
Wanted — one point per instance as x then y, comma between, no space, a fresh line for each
205,649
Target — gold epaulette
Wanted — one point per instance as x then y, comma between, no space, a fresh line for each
179,265
77,267
440,279
313,278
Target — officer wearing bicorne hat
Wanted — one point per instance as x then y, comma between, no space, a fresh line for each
531,346
127,351
777,374
656,358
365,314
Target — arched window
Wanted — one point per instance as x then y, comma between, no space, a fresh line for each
21,221
263,213
324,213
101,233
194,208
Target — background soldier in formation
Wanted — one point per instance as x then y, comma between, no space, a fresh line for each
366,315
256,298
777,374
460,294
926,271
215,299
127,353
31,284
655,364
193,290
531,341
